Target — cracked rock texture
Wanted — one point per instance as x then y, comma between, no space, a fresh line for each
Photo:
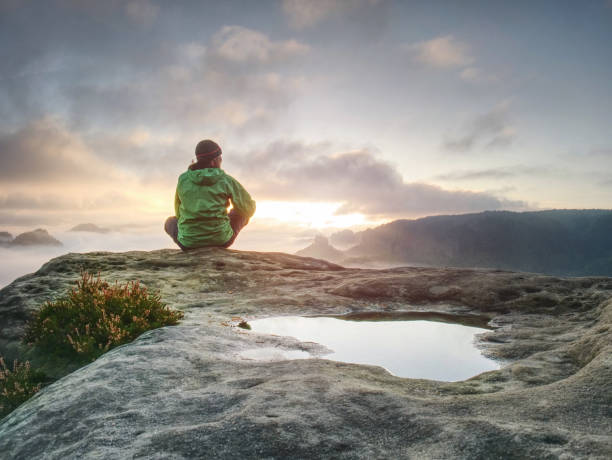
185,392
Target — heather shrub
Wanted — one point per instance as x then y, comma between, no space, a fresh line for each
95,317
17,385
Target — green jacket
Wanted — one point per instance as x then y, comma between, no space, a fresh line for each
200,205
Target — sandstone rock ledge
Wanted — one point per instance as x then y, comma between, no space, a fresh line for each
183,391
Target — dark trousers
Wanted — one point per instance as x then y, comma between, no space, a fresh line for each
237,222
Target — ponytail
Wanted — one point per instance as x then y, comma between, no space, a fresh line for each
201,164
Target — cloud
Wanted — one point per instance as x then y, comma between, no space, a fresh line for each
357,179
49,201
470,74
192,51
604,151
53,206
477,174
143,111
493,173
142,11
49,175
242,45
29,219
22,201
237,83
448,53
143,152
45,151
308,13
7,5
442,52
477,75
106,73
492,129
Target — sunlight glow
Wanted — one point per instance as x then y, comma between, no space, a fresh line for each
307,214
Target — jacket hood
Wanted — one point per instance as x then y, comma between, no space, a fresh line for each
208,176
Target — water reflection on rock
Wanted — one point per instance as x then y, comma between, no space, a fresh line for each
415,345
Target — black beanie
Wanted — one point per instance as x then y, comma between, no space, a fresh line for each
207,150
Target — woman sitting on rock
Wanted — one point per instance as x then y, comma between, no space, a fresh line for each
203,194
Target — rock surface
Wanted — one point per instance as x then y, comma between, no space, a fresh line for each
184,391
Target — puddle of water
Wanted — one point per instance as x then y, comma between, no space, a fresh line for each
406,344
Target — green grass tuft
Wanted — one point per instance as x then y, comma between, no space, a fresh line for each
96,317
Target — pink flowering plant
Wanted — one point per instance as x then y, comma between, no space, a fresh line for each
17,384
97,316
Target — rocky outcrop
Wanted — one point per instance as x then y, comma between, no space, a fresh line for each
38,237
344,238
91,228
5,238
321,249
185,391
557,242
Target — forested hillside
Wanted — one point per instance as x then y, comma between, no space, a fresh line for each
561,242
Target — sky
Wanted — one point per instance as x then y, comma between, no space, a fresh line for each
332,114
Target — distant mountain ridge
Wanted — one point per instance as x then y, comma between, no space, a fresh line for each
38,237
557,242
321,249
